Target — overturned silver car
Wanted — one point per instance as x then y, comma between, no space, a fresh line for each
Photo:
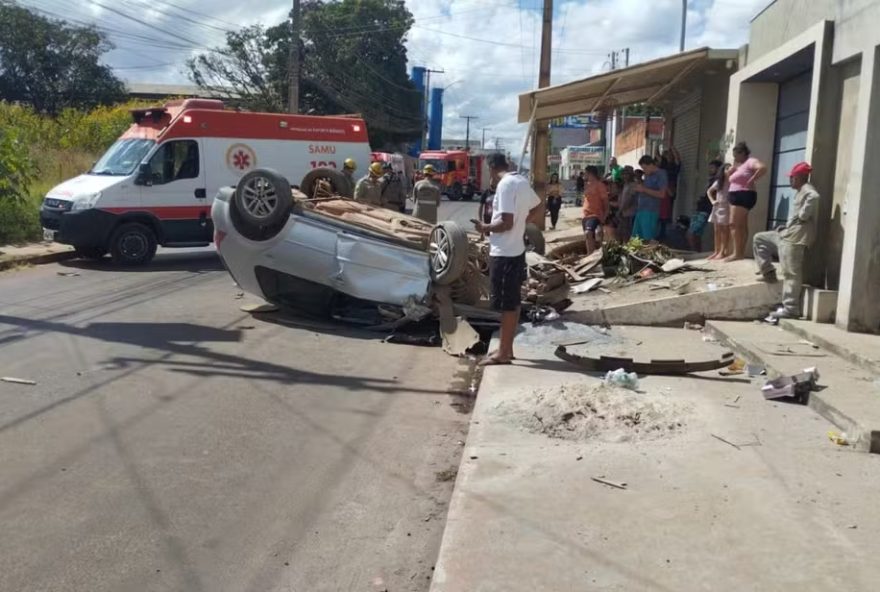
286,245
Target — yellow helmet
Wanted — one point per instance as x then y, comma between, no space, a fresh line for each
376,169
350,164
429,169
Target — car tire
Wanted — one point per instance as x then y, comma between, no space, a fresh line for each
448,253
262,199
339,183
535,239
133,244
94,253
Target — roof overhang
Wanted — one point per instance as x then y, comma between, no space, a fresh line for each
648,82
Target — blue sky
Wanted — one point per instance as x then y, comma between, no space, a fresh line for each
488,48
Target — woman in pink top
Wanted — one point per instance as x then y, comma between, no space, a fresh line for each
741,177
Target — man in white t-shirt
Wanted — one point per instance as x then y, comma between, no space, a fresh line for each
513,204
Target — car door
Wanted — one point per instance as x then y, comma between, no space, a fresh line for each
175,192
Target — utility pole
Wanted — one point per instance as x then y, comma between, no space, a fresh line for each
467,133
483,142
295,65
542,135
684,19
428,72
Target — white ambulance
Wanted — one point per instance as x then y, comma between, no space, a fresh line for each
155,185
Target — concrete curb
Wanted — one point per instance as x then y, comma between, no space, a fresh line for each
36,259
847,354
863,437
747,302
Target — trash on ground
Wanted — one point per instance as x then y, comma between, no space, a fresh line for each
792,348
840,439
584,411
67,273
14,380
610,483
622,378
797,386
587,286
728,442
735,368
755,370
693,326
810,343
709,339
608,363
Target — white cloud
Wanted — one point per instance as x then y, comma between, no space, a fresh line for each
488,48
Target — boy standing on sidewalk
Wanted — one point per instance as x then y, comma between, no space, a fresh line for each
595,207
513,204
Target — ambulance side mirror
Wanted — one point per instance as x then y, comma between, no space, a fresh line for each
144,175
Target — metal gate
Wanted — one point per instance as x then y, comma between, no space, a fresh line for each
790,144
686,139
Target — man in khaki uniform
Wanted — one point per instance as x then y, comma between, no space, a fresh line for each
392,190
369,189
789,243
426,195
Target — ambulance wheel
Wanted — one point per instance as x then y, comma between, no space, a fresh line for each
133,244
95,253
448,250
262,199
320,183
535,239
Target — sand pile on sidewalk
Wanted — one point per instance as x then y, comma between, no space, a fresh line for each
590,411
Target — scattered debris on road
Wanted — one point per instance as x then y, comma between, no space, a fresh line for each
14,380
67,273
797,387
609,482
622,378
841,439
728,442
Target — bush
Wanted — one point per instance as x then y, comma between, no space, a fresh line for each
19,221
16,168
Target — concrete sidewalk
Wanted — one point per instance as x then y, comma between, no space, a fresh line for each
33,254
849,397
785,510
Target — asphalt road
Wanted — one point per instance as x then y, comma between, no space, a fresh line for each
173,442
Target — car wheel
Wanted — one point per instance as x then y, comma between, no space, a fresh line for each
325,183
133,244
262,199
95,253
448,250
535,239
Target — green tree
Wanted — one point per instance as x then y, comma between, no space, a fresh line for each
51,65
354,61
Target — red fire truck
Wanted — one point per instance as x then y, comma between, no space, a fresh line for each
462,174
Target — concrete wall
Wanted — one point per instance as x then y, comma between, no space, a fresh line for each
849,100
751,117
783,20
858,308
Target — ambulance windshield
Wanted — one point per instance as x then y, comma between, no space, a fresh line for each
123,157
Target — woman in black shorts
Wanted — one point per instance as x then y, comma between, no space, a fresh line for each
742,176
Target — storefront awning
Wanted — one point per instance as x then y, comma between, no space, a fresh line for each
643,83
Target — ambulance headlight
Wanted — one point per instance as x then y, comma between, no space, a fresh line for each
86,202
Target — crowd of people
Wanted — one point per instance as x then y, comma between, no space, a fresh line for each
629,202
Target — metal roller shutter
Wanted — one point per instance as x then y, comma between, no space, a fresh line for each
686,139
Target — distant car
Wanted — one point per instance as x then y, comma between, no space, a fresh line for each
283,249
